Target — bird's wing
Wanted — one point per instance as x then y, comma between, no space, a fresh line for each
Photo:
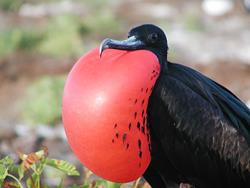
206,114
234,110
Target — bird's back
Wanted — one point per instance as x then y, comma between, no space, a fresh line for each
201,128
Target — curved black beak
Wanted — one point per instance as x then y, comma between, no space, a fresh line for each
132,43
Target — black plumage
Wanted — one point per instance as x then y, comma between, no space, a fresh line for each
200,131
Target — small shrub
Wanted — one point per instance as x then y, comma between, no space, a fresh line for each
62,37
19,39
30,172
101,24
83,30
31,168
42,103
10,5
29,40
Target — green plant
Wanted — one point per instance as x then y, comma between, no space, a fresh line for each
31,169
101,23
10,5
100,183
19,39
63,38
29,39
42,103
98,4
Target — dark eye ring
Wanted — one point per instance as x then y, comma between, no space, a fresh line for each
153,37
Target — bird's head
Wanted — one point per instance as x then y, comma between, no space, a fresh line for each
147,36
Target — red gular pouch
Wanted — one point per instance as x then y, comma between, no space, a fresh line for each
105,111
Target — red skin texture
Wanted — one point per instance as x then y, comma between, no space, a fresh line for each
104,99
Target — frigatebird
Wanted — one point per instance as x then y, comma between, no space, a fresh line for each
200,131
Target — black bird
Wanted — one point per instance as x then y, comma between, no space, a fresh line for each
200,131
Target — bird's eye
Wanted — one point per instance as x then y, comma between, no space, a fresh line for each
153,37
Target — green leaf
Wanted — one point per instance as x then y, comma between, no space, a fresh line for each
5,164
20,171
1,183
107,184
45,90
33,181
3,172
64,166
79,186
113,185
100,182
61,184
7,161
42,153
13,169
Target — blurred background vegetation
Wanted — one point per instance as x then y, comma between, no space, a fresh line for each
41,40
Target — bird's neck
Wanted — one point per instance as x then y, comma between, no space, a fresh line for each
163,60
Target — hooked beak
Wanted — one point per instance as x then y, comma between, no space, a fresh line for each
132,43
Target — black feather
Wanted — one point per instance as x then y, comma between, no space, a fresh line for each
206,140
200,131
